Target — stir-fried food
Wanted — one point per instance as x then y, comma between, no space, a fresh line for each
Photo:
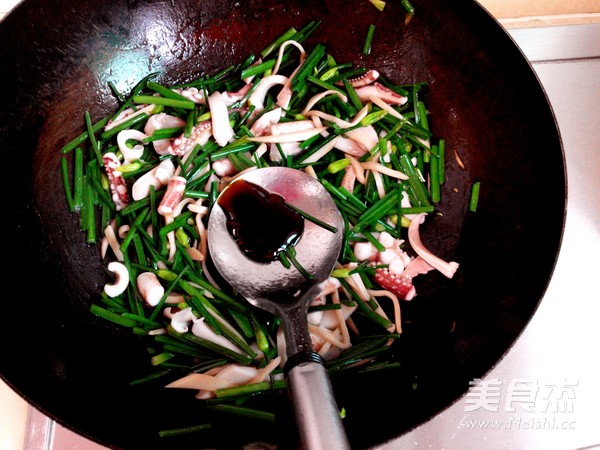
150,173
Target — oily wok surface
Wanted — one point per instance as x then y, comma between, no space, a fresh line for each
484,99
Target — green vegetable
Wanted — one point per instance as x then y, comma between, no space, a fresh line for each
369,40
172,247
379,4
410,10
474,200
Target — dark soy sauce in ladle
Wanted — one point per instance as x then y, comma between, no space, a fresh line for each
260,222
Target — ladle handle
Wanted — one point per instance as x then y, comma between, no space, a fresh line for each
317,415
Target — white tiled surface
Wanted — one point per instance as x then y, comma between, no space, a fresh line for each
6,6
567,60
13,415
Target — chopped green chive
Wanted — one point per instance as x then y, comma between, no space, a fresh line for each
185,430
379,4
474,199
369,40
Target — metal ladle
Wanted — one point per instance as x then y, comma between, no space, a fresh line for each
286,293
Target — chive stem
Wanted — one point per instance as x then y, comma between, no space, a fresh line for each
313,219
185,430
164,101
474,199
369,40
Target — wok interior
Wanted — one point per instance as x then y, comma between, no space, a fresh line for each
483,98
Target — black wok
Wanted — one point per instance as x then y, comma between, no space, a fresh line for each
57,59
